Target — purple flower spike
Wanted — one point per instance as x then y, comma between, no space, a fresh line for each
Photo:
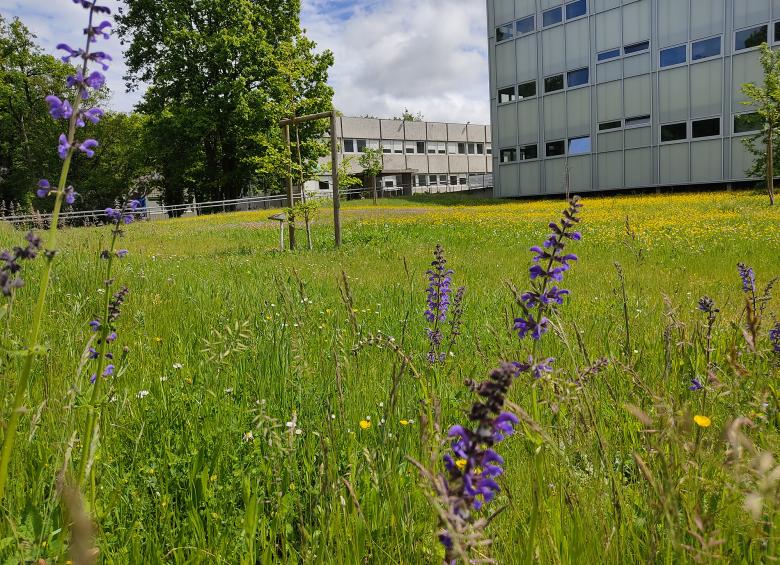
93,354
95,325
70,195
109,371
695,385
95,80
774,337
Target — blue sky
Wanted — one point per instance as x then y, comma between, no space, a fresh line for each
426,55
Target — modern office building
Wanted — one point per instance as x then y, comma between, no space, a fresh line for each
417,156
622,94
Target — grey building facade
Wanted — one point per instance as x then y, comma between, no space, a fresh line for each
620,94
417,156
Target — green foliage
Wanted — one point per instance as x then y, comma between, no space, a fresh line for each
407,116
371,161
222,73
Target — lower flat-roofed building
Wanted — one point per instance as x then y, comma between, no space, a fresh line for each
416,156
621,94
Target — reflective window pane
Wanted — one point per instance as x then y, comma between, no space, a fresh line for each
555,148
638,121
752,37
526,90
504,32
576,9
705,128
526,25
553,84
610,125
508,155
529,152
636,47
747,122
607,55
552,17
674,132
506,95
579,145
674,56
578,77
705,48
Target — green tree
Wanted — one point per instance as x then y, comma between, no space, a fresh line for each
222,75
407,116
766,101
372,163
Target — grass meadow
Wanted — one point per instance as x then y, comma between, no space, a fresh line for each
266,404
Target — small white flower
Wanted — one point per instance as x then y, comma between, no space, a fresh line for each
177,366
368,418
143,394
228,391
381,404
290,424
298,431
332,416
163,379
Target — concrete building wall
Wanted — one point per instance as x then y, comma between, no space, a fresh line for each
622,93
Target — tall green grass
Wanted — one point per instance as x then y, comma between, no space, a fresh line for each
232,434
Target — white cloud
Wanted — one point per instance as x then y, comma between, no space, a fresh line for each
428,56
61,21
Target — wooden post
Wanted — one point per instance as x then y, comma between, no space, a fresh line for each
290,199
334,159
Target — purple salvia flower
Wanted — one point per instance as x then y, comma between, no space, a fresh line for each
88,146
70,195
93,378
93,354
108,371
44,188
113,213
122,253
71,52
95,80
748,277
64,147
95,325
100,58
93,115
59,109
774,337
110,338
99,30
695,385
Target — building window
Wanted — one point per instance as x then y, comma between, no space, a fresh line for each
526,90
752,37
674,56
529,152
361,145
578,77
636,47
480,148
398,146
504,32
576,9
422,180
462,181
411,147
349,146
452,148
705,128
526,25
508,155
489,150
748,122
635,121
555,148
461,148
552,17
607,55
442,148
421,147
579,145
387,149
442,180
453,179
606,126
432,180
705,48
777,32
472,148
674,132
506,95
553,84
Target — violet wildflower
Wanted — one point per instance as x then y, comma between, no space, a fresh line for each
695,385
550,265
63,149
774,337
70,196
44,188
122,253
59,109
95,325
438,306
10,267
88,147
748,277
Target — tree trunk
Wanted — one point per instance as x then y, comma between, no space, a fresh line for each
770,165
373,186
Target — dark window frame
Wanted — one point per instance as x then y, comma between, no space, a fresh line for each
765,39
703,42
673,53
554,77
570,73
523,97
607,55
512,151
759,126
351,143
504,91
503,35
636,48
610,126
666,128
548,146
702,123
559,20
417,147
525,149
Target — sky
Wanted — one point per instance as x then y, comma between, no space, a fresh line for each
429,56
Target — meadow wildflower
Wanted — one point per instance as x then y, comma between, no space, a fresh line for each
748,277
365,424
438,303
774,337
10,267
702,421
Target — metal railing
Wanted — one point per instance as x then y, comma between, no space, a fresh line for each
160,212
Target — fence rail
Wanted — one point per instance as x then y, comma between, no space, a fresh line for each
156,212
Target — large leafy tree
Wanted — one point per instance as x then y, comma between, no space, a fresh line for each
222,73
766,100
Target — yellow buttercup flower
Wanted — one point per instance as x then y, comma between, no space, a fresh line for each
365,424
702,421
461,464
404,422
